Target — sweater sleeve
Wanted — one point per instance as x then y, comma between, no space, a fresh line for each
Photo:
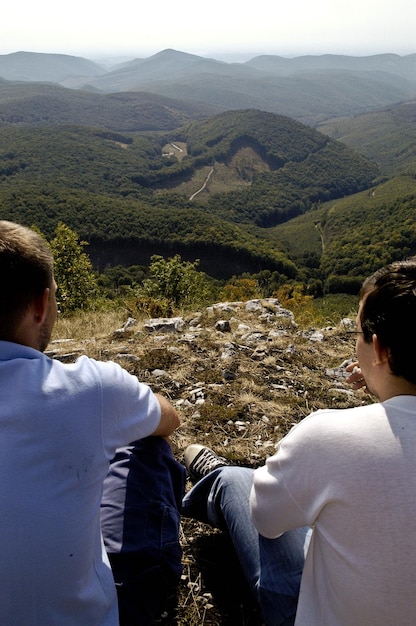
291,488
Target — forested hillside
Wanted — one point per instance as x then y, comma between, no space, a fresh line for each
303,167
42,104
340,243
122,193
245,191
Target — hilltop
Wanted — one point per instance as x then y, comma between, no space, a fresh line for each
240,374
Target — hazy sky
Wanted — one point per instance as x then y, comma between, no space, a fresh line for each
140,28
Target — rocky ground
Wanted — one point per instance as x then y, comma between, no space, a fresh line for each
240,374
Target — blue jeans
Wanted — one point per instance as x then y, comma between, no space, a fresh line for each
272,567
140,517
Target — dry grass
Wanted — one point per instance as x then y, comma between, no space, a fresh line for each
86,326
236,395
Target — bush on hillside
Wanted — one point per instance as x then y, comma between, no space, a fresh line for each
77,286
175,281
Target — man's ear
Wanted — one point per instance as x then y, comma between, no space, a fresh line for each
381,353
40,306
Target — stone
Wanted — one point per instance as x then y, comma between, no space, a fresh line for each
164,325
223,326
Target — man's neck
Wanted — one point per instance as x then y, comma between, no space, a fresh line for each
396,386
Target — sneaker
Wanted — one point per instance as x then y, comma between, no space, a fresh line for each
200,461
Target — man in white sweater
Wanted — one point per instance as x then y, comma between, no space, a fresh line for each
343,480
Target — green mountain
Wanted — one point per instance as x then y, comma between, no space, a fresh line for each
181,154
210,189
342,242
283,167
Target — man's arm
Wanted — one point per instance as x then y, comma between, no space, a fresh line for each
169,419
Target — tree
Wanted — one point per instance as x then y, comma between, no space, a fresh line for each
241,289
77,286
176,281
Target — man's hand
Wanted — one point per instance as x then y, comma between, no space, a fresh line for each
356,379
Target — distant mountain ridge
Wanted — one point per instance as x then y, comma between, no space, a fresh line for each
311,89
404,66
37,66
44,104
169,63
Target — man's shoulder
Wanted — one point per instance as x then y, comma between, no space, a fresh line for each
84,362
336,420
88,369
348,413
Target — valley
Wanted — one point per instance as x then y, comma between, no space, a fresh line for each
180,154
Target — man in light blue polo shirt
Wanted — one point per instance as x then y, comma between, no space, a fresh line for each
60,425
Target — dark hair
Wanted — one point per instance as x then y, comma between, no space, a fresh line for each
26,270
389,311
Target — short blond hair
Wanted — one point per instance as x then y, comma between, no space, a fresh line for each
26,270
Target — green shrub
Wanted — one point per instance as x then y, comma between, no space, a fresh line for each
175,281
77,286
